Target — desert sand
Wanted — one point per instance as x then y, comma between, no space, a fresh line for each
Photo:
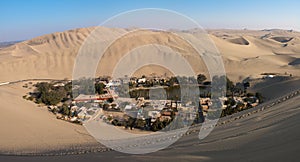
246,53
27,128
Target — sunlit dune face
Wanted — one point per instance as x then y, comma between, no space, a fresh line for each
143,42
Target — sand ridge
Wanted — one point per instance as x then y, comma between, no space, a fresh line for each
246,53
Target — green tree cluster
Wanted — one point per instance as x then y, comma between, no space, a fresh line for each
48,94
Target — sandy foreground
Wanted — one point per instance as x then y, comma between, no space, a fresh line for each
25,127
269,135
32,129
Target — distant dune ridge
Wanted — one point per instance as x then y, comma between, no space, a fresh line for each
246,53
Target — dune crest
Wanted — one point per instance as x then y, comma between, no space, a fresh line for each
282,39
245,52
239,40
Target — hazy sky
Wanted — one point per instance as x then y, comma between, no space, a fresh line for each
25,19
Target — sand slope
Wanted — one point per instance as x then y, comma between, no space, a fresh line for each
28,128
250,53
245,52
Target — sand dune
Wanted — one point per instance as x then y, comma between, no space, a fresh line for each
240,41
263,54
282,39
27,128
52,55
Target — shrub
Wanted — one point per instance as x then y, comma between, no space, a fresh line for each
30,98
